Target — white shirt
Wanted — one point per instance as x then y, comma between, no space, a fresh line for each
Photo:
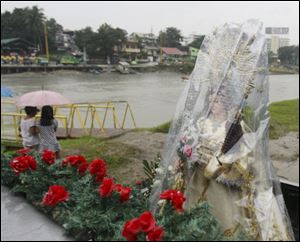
28,138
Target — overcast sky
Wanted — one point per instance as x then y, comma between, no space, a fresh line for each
189,17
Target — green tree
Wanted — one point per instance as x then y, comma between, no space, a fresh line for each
289,55
53,28
170,38
6,27
197,42
13,24
86,38
26,23
35,25
102,43
162,39
108,38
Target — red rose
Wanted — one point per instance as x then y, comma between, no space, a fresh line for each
55,195
23,163
74,160
69,160
178,201
82,168
118,187
131,229
156,234
31,161
138,183
107,187
176,197
98,168
48,156
124,192
78,161
19,165
147,221
168,194
23,151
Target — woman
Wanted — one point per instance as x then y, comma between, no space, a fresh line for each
48,126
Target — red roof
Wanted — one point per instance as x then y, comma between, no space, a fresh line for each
172,51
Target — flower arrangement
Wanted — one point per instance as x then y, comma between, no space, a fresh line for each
92,206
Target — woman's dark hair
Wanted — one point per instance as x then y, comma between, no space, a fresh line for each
46,116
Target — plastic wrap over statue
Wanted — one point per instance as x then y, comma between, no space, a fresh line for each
219,137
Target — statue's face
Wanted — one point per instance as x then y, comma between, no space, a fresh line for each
218,108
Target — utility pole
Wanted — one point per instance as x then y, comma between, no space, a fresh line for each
160,42
84,55
46,41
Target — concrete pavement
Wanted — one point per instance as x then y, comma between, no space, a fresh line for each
22,222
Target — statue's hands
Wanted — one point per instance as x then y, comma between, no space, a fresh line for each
179,165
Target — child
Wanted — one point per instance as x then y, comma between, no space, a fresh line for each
48,126
29,130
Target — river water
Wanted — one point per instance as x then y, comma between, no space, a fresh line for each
152,96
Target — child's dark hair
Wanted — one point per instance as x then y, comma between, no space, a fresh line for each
46,116
29,110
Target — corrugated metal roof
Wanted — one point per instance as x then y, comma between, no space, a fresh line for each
12,40
172,51
7,41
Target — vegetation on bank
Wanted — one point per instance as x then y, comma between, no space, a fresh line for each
188,67
283,70
92,147
284,119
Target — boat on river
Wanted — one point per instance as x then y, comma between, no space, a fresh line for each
124,68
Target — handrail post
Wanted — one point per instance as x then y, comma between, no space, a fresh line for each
132,117
92,122
106,109
15,128
86,117
72,120
124,116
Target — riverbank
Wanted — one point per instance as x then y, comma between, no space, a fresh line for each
280,70
188,67
185,68
127,152
124,154
284,119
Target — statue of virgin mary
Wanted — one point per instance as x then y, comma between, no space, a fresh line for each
217,146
